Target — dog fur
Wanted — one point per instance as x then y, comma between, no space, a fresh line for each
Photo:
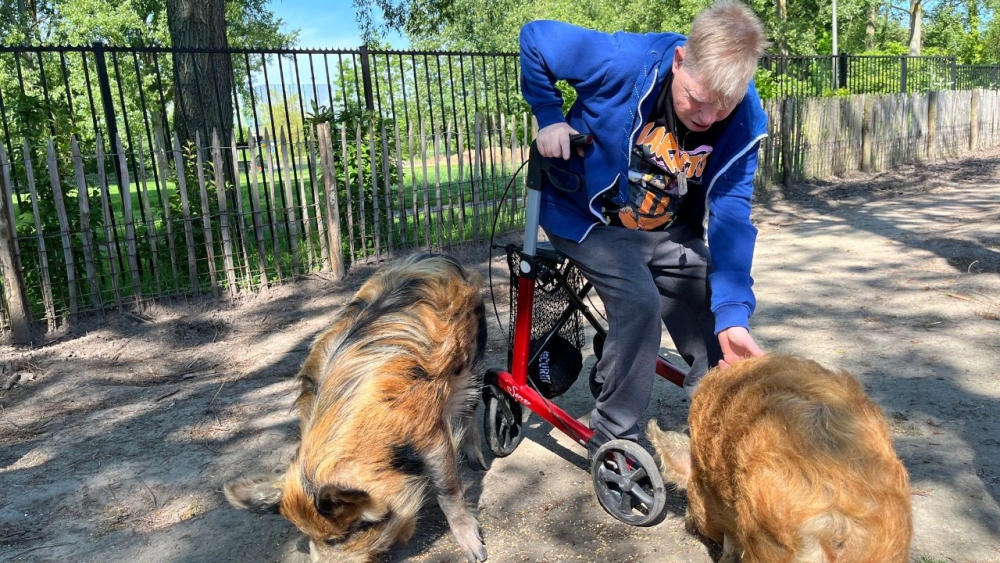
380,391
789,462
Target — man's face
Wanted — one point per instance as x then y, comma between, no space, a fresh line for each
694,105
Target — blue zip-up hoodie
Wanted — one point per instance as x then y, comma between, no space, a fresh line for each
614,76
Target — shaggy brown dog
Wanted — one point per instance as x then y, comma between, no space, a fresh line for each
789,462
380,389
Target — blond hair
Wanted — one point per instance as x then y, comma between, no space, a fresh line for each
722,50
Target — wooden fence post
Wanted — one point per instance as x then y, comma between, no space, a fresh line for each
787,122
218,167
332,205
63,218
10,267
125,189
43,254
110,239
85,233
932,125
974,120
866,135
206,220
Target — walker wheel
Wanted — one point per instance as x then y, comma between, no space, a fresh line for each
501,421
628,484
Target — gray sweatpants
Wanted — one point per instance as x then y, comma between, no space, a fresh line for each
644,278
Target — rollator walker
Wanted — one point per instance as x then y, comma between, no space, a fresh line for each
547,300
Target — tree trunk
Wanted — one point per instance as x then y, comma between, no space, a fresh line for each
870,25
203,82
916,17
782,8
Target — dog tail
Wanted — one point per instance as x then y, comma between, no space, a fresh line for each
674,451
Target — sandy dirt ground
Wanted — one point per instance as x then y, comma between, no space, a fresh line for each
119,434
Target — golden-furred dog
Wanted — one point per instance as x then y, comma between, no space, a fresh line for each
789,462
380,390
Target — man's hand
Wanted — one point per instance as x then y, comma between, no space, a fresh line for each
553,141
737,344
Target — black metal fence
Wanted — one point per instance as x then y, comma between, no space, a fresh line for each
802,76
132,92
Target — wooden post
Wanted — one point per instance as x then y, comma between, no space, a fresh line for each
57,196
109,233
787,121
360,215
932,125
314,163
255,213
126,192
186,215
269,182
455,230
219,167
48,301
151,222
10,266
332,204
206,219
85,233
437,186
413,188
376,219
241,224
477,176
974,120
161,162
306,220
387,182
461,177
289,214
868,121
401,190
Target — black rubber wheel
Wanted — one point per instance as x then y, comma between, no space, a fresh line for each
628,484
596,382
502,421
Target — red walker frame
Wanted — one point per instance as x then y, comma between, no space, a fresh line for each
624,474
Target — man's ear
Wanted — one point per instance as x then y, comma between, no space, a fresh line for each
678,58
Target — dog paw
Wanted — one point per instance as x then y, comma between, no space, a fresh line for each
471,540
476,556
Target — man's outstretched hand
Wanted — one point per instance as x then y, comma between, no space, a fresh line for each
737,344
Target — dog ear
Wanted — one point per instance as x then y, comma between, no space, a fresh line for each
258,493
330,498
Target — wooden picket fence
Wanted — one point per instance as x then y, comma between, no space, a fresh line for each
228,220
815,138
286,208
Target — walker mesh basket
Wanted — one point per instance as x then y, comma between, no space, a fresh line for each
558,366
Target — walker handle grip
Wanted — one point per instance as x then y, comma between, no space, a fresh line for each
581,140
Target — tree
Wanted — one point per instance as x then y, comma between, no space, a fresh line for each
916,21
204,81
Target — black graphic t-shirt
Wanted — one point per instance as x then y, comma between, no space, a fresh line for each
667,165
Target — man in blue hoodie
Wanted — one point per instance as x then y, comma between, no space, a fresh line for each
657,212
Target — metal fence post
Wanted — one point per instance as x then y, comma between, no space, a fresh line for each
107,102
902,74
843,70
366,78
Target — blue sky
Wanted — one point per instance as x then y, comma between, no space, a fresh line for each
324,25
